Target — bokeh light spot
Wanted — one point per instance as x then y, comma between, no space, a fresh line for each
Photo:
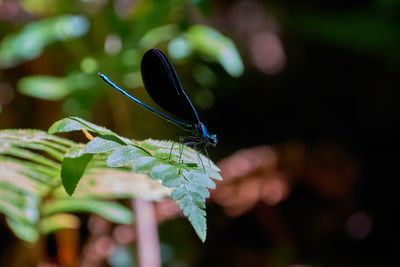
274,191
267,52
112,44
104,246
70,27
179,48
89,65
133,80
359,225
204,76
123,234
131,57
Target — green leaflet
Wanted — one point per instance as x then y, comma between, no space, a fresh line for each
197,218
214,174
178,193
75,124
172,179
144,164
23,230
169,175
198,189
124,155
104,143
158,171
70,124
196,177
73,167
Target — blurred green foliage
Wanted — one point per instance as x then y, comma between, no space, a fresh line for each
369,28
30,41
110,38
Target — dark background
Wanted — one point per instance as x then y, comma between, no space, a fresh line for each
333,92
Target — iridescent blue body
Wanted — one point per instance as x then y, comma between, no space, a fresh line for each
164,87
201,132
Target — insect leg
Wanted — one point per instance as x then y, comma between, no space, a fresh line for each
199,159
181,138
205,150
170,151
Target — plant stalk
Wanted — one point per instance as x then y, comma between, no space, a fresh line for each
148,244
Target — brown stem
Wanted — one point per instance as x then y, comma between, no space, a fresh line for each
87,134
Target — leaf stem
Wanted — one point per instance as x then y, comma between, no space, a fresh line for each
147,235
87,134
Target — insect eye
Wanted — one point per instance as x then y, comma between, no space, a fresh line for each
213,139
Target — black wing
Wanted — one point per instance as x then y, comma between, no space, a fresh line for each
163,85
